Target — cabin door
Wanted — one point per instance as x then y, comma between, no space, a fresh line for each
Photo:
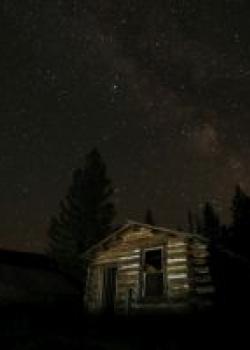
109,288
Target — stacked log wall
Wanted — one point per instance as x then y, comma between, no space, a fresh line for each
93,297
177,269
185,263
202,284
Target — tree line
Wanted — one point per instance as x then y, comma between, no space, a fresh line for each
87,212
235,235
229,250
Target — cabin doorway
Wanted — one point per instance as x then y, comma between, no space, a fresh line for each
109,288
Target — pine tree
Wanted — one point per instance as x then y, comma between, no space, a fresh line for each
149,219
63,245
97,189
210,223
197,225
190,222
85,214
240,227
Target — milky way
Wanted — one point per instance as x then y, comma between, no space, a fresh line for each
161,88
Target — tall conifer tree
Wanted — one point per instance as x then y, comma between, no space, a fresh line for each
149,218
210,223
85,214
190,222
240,228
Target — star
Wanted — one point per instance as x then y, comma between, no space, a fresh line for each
163,94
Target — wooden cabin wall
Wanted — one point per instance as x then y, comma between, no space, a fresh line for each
127,260
177,268
202,284
185,263
93,298
126,254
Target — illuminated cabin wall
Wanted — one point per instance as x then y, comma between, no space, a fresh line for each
177,269
186,273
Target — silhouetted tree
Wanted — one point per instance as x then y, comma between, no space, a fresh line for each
224,262
240,227
197,224
190,222
210,225
149,219
86,213
229,254
63,246
207,223
225,235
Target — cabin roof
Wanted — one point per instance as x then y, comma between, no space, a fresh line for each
134,224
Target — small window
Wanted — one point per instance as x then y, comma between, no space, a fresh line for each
153,273
153,260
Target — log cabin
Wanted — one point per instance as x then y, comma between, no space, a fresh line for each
143,268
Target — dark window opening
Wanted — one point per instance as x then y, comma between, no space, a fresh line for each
154,285
153,260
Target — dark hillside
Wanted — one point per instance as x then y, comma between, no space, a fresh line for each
30,278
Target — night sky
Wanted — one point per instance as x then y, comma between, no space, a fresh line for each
162,88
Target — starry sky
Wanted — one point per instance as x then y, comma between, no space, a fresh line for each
160,87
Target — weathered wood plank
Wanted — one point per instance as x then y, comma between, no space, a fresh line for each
158,239
183,286
199,245
176,244
134,266
200,261
201,269
178,287
177,251
127,280
173,261
116,261
173,255
204,289
125,273
200,254
124,283
117,253
178,281
176,268
203,279
175,276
